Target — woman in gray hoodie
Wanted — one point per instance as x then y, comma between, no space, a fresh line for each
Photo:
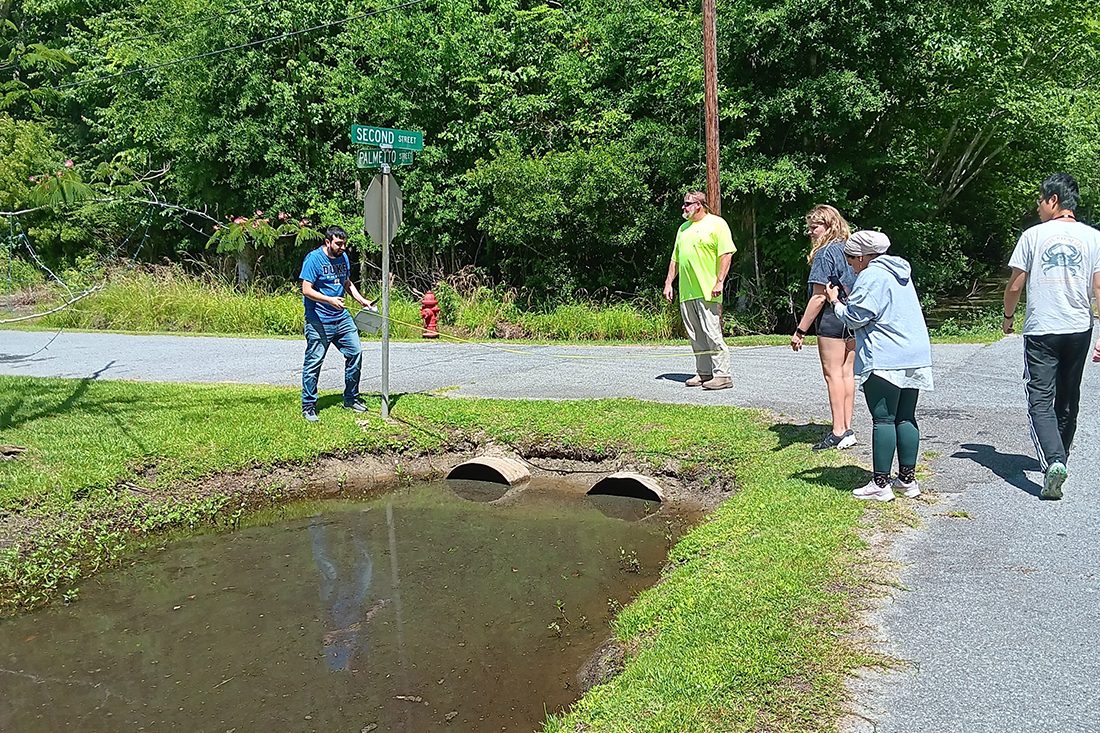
893,358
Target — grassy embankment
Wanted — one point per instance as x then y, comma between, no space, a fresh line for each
747,630
166,301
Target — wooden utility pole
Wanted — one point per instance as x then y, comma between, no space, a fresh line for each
710,87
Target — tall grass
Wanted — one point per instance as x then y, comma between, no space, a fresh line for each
621,322
166,299
17,274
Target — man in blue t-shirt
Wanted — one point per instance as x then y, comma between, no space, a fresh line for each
325,279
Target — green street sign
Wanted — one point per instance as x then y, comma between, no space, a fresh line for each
375,157
383,137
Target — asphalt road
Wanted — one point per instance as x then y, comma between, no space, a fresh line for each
1000,612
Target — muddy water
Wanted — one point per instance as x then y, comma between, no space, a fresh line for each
432,608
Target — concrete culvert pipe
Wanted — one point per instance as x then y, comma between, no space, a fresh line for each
490,468
626,483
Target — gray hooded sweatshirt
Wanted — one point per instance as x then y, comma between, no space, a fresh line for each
885,314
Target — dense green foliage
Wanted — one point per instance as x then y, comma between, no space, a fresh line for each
559,135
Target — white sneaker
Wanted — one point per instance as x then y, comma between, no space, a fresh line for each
846,441
1053,478
873,491
911,489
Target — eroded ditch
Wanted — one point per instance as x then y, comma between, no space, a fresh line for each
444,605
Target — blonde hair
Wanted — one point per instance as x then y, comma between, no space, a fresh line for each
836,227
697,197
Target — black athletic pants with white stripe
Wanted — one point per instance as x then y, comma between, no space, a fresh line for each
1053,366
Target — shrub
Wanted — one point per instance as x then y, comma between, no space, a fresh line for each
17,274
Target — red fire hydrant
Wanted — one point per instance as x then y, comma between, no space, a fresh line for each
429,311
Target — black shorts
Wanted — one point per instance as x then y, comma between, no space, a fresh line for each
829,326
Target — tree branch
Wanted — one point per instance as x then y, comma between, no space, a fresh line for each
943,149
63,306
23,211
34,255
174,207
154,175
958,171
950,196
130,200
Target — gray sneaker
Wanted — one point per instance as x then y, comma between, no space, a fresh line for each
357,406
310,414
831,440
847,440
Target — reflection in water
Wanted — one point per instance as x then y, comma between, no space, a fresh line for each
627,508
345,582
438,614
477,490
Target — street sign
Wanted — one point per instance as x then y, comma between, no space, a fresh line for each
382,209
382,231
384,137
376,157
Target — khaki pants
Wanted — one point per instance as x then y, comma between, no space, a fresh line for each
704,328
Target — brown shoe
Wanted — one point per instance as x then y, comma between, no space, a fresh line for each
719,382
697,380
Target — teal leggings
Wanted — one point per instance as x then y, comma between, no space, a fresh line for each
893,411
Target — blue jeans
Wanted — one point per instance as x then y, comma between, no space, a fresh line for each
344,336
346,574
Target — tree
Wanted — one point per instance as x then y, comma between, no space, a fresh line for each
561,136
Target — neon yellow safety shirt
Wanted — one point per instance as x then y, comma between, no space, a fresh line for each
699,244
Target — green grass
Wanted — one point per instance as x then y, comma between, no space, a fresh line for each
16,274
745,632
165,300
976,335
741,634
620,322
981,326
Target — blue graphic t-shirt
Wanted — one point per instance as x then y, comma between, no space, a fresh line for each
328,276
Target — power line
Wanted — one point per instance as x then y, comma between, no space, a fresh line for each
146,220
238,47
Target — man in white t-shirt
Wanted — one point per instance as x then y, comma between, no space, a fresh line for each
1059,260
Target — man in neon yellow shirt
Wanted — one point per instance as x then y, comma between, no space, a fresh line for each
701,256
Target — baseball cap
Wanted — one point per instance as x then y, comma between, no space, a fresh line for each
866,242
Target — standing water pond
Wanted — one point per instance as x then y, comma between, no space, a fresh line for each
447,606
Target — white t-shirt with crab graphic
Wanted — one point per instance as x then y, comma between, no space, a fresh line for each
1060,258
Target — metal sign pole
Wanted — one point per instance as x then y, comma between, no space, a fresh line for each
385,291
388,148
395,574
